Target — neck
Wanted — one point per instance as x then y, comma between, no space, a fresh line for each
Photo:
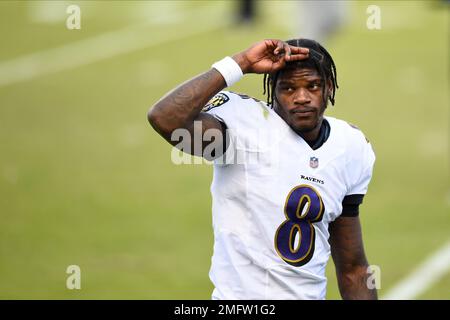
312,135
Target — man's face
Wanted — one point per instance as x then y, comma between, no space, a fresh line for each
299,100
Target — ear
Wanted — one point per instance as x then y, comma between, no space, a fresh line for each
329,87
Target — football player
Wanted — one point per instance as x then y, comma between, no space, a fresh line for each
288,181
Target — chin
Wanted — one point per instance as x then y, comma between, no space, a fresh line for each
304,128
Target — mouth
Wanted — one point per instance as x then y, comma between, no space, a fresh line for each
303,112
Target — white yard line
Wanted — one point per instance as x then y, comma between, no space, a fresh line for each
106,46
423,277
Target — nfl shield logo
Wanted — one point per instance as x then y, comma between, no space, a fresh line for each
313,162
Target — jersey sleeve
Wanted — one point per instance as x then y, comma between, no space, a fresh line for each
240,114
359,169
360,178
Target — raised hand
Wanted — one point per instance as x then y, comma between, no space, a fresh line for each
268,56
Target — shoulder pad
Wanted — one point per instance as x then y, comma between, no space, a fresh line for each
216,101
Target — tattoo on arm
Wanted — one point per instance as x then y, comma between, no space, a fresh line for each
183,105
347,250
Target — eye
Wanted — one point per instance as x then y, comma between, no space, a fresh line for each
314,86
287,88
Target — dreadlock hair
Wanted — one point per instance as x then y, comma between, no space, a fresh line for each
319,59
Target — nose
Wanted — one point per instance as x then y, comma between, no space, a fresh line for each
302,96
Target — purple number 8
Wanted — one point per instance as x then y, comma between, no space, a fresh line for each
303,207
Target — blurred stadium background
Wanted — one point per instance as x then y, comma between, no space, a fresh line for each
84,180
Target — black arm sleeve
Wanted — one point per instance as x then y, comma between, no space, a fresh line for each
350,205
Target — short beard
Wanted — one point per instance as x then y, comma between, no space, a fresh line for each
306,130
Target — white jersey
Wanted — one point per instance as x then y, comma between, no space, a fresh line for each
273,199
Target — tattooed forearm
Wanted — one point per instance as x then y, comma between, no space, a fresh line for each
182,105
195,89
349,259
353,284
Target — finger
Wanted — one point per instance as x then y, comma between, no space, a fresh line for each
295,50
287,49
298,53
297,57
279,49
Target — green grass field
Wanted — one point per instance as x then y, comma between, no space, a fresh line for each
84,180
